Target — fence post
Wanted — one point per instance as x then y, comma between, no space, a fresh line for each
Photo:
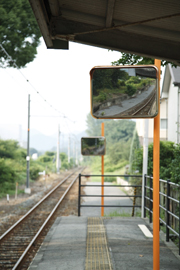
151,197
145,196
134,202
167,211
79,196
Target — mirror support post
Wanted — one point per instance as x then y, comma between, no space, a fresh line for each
156,155
102,178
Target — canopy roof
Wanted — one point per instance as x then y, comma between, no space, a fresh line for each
145,27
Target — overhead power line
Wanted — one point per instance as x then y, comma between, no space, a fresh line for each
37,92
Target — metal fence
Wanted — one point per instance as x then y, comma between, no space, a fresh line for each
169,207
134,196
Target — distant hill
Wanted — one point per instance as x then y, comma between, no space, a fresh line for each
38,140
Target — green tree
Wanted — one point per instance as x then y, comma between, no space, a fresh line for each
8,148
174,165
50,153
133,59
101,79
131,90
93,125
19,33
32,151
63,156
118,134
45,158
119,151
7,173
116,130
166,157
135,144
64,161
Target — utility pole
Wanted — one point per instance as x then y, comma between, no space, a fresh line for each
76,155
69,149
58,161
27,189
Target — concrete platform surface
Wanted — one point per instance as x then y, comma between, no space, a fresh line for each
64,247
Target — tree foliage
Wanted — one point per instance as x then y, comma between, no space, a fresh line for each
107,79
118,134
93,126
133,59
167,155
12,163
135,145
33,151
19,33
7,173
10,149
174,164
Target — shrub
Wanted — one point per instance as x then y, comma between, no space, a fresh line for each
121,83
109,179
50,153
45,158
133,80
166,159
8,148
7,172
131,90
174,165
101,97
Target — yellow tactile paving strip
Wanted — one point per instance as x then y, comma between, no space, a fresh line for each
97,253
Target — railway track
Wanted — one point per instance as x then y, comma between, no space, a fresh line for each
146,108
19,244
142,108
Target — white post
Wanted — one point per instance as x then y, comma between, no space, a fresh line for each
145,160
16,191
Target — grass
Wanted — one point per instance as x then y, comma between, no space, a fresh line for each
117,214
122,214
106,179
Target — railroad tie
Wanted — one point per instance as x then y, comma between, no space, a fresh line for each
97,253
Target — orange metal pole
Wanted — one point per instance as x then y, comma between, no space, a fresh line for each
102,172
156,154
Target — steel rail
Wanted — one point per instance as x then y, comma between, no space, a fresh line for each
110,196
111,175
147,103
34,207
44,224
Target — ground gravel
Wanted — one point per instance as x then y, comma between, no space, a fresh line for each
12,211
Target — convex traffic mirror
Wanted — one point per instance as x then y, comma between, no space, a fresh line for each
124,92
93,146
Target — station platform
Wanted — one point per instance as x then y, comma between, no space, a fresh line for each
84,243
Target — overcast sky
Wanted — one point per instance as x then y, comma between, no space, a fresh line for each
62,78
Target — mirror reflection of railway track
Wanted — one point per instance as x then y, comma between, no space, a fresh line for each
147,108
19,244
144,108
119,92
